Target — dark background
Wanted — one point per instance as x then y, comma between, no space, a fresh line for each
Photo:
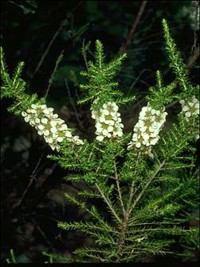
37,32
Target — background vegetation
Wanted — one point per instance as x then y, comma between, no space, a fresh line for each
55,39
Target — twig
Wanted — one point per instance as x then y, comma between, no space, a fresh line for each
48,47
123,48
126,215
131,192
74,107
53,39
59,59
194,57
196,5
137,78
32,176
146,186
43,235
154,223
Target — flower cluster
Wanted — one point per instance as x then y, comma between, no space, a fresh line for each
53,129
190,108
146,131
108,121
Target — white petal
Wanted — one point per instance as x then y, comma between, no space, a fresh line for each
68,134
98,126
108,135
27,119
188,114
105,132
153,141
53,123
104,112
44,120
145,136
53,130
43,106
101,119
46,132
40,127
34,106
63,127
185,108
24,114
37,120
110,128
40,132
100,138
138,145
59,139
49,140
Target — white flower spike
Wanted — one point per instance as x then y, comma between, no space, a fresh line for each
53,129
146,130
108,121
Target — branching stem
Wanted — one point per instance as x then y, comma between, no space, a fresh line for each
130,208
108,203
118,188
146,186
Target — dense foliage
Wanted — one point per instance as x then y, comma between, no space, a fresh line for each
135,189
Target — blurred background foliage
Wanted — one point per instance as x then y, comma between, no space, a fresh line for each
55,39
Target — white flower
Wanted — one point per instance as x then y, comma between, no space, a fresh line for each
188,114
111,107
185,108
24,114
49,139
145,136
46,132
40,127
60,139
44,120
100,138
69,135
107,119
48,111
138,144
77,140
27,118
53,130
53,123
37,120
153,141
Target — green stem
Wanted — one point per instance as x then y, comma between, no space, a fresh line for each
109,204
146,186
130,208
118,188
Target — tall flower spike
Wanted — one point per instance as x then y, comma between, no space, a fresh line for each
146,130
108,121
53,129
